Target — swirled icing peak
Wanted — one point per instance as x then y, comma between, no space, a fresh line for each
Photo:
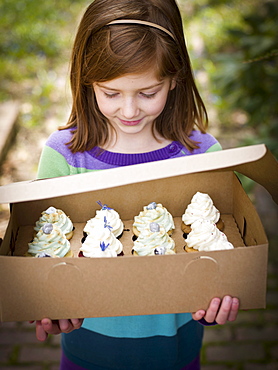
201,206
158,214
205,236
154,242
53,215
101,242
49,240
109,216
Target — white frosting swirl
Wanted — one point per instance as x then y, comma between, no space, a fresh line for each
113,220
57,216
158,214
101,236
154,242
205,236
52,242
201,206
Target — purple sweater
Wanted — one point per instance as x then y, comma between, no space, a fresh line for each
58,160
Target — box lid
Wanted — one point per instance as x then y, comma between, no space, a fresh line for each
255,162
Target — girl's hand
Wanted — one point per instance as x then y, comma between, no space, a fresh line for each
47,326
219,311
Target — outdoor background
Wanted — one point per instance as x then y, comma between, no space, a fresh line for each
234,50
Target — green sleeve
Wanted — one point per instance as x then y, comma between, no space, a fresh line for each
214,148
52,164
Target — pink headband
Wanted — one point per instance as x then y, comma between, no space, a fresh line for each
144,23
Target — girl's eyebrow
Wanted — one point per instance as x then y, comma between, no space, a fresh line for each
144,88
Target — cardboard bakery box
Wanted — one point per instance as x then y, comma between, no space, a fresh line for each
33,288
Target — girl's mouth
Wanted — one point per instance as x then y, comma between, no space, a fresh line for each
130,123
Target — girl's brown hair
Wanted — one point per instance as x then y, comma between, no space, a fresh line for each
102,53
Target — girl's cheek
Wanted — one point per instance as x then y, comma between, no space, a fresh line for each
156,107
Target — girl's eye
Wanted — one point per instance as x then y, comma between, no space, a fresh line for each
149,96
110,96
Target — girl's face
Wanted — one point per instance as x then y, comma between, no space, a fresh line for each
131,103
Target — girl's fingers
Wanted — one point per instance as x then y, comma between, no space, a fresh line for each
213,310
224,310
219,311
234,310
76,323
64,326
228,310
40,332
198,315
67,326
50,327
47,326
61,326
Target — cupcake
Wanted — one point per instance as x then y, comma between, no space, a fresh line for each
57,217
112,219
154,212
201,206
50,241
153,240
101,242
205,236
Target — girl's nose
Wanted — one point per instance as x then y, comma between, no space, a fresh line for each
129,108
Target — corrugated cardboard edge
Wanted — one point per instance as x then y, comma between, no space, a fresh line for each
254,161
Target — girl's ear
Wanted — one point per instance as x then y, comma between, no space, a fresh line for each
173,84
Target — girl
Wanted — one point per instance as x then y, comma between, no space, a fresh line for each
134,101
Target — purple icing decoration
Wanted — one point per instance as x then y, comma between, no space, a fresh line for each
43,254
103,206
154,227
103,246
47,228
50,210
160,250
106,225
152,205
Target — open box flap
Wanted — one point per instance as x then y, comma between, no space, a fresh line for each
264,171
254,161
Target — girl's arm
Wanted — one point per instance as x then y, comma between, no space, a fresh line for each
52,164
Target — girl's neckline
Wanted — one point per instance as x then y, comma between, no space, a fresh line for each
125,159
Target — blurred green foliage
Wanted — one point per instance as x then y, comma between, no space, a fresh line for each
35,39
248,76
240,57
